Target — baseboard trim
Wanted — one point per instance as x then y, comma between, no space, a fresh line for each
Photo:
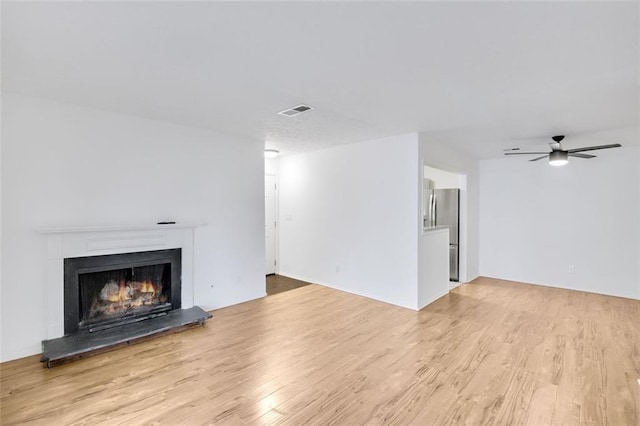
334,287
433,299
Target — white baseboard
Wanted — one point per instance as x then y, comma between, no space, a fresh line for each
433,299
454,284
335,287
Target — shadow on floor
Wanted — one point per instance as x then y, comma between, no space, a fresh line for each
279,283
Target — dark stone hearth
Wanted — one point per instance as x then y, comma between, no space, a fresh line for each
83,342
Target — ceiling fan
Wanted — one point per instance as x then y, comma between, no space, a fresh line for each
559,156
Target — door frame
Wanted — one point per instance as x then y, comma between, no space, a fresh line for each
276,239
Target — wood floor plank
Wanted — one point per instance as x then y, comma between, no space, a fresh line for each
490,352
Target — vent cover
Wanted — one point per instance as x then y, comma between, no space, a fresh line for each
291,112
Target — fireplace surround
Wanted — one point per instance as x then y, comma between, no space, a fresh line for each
144,311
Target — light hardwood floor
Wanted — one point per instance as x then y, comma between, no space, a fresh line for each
491,352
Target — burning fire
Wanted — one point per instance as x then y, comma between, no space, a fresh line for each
123,293
113,292
121,296
147,287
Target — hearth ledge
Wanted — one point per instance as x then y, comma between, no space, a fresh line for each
83,343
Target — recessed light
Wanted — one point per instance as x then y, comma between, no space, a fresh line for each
271,153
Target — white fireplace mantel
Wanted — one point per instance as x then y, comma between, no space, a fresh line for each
110,228
65,242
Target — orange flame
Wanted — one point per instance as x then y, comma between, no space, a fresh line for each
147,287
124,293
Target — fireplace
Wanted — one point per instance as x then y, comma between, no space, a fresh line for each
110,286
102,292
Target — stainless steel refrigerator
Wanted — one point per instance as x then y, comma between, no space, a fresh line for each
443,209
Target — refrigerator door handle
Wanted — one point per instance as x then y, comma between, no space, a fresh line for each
435,210
431,209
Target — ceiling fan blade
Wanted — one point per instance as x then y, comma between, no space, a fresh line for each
525,153
591,148
540,158
581,155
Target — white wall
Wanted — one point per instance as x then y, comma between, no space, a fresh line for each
347,218
442,179
271,166
437,155
538,220
66,166
433,269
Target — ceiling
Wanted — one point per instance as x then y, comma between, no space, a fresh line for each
480,76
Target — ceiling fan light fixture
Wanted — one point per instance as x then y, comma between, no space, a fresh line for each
271,153
558,158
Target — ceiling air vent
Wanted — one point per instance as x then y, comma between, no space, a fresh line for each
295,110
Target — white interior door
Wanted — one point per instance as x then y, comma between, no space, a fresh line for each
270,224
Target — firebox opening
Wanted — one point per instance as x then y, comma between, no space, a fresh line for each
123,293
107,291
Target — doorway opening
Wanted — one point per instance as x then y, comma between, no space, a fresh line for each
274,283
444,203
279,284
